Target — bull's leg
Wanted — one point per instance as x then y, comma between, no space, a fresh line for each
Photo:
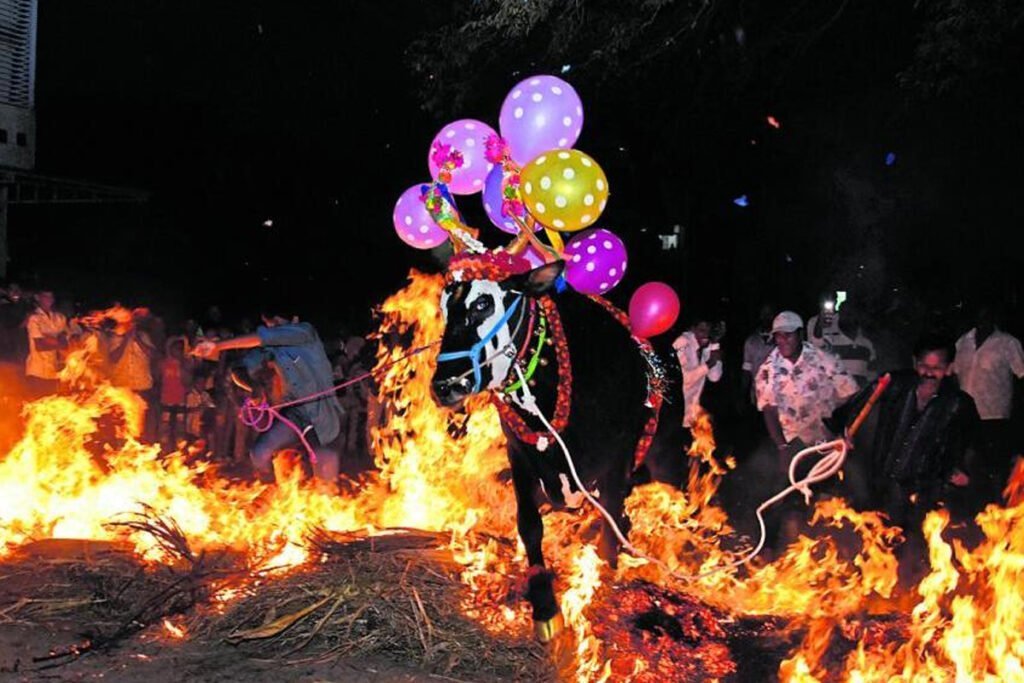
540,590
613,495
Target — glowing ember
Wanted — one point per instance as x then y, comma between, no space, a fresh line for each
173,630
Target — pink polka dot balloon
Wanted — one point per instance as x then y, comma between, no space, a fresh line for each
413,222
468,136
539,114
595,261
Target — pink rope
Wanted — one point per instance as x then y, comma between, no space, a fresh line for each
260,416
256,414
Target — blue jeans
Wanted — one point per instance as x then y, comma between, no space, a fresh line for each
280,437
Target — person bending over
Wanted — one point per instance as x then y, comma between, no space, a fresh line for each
286,361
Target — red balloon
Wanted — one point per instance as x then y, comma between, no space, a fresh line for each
653,309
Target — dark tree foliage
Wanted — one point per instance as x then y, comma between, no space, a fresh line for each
613,46
721,45
966,45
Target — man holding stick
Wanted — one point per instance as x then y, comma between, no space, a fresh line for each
924,428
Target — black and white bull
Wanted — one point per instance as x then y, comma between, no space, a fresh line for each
486,325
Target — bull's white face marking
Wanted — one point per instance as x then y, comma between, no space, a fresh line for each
463,303
500,364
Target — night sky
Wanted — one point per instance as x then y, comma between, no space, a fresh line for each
307,114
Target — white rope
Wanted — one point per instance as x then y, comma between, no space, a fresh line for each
834,456
829,465
528,402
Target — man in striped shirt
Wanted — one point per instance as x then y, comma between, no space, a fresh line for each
844,338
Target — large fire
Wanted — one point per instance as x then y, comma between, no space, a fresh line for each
80,464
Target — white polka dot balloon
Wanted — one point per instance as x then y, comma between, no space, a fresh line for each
413,222
540,113
469,137
595,261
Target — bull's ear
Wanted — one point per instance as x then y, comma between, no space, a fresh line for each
538,281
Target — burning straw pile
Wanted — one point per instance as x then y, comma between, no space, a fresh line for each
395,595
104,589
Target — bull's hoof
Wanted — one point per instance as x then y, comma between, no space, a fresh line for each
546,631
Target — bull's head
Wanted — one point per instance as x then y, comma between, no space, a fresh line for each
484,329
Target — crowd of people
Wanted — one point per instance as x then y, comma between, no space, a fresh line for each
941,426
193,396
940,435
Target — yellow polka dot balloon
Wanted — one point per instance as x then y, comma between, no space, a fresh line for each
564,189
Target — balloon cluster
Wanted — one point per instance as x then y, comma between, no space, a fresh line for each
534,184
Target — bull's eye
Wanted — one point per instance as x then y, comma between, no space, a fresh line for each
482,304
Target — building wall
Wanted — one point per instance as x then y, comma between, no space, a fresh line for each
17,83
17,137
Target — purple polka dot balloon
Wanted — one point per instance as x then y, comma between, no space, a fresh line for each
468,136
539,114
413,222
595,261
493,200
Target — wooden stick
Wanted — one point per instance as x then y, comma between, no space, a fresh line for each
883,382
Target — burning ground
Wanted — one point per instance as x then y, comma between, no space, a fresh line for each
414,570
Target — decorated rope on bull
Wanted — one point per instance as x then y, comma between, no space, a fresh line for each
505,333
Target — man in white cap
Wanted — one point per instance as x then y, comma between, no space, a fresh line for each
797,386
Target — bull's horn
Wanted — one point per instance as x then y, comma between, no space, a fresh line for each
464,238
527,236
441,206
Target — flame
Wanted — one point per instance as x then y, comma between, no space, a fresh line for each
80,463
967,622
123,319
1014,492
173,630
584,582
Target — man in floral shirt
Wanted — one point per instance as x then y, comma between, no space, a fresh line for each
799,385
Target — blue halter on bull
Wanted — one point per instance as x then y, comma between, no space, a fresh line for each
505,335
